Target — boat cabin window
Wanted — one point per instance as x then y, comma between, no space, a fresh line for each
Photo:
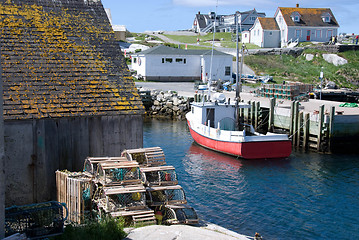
192,109
210,116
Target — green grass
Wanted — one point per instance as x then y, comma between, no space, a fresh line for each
107,229
193,39
289,68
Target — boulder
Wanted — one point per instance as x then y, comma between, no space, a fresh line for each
335,59
309,57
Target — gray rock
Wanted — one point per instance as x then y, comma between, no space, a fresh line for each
309,57
335,59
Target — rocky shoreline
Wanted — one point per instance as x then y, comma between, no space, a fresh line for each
167,104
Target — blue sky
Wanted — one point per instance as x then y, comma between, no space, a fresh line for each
142,15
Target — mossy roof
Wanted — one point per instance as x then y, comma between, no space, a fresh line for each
268,23
308,17
60,59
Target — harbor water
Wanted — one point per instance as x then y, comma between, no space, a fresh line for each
305,196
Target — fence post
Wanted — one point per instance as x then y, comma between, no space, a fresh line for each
271,114
320,123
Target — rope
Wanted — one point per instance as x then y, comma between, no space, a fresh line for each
290,137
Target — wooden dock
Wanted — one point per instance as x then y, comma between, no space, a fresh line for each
317,125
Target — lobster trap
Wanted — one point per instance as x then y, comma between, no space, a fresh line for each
177,214
91,163
162,175
118,173
75,190
146,156
36,220
157,196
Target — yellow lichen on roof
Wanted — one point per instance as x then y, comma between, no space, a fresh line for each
53,64
268,23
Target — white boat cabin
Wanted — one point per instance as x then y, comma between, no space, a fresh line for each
217,115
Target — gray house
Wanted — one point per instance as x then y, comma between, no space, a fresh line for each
306,24
225,23
294,24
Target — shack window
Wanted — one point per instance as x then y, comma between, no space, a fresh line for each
163,60
179,60
184,61
169,60
227,71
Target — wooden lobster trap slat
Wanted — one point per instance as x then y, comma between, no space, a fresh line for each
146,156
162,175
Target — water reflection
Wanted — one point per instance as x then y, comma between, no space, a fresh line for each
305,196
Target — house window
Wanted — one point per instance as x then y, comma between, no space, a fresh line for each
179,60
227,71
296,18
169,60
330,33
298,33
184,61
318,33
270,33
163,60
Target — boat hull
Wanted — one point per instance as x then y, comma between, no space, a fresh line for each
247,150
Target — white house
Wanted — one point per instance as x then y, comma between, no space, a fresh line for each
306,24
302,24
265,33
163,63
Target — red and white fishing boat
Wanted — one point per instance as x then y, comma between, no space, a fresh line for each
213,126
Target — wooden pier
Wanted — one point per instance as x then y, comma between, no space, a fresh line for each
324,130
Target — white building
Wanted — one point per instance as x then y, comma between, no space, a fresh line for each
163,63
225,23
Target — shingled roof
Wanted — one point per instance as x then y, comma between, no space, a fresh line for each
164,50
60,59
268,23
308,17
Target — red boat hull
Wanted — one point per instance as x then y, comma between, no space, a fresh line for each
247,150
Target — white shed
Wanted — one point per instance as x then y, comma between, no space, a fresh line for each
162,63
265,33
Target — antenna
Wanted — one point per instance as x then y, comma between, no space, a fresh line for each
210,69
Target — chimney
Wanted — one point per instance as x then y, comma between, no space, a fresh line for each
199,12
297,5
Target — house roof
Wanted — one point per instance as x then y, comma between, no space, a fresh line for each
311,17
62,62
164,50
201,20
268,23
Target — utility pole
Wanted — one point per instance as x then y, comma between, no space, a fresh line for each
321,82
2,159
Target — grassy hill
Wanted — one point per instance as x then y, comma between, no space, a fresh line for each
289,68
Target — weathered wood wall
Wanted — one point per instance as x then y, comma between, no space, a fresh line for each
2,164
36,149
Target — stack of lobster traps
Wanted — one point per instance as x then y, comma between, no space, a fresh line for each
137,186
163,194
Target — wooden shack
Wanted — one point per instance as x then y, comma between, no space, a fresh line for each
68,93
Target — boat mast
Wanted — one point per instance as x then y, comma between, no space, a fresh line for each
237,57
210,69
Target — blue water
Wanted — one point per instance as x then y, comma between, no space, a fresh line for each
306,196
